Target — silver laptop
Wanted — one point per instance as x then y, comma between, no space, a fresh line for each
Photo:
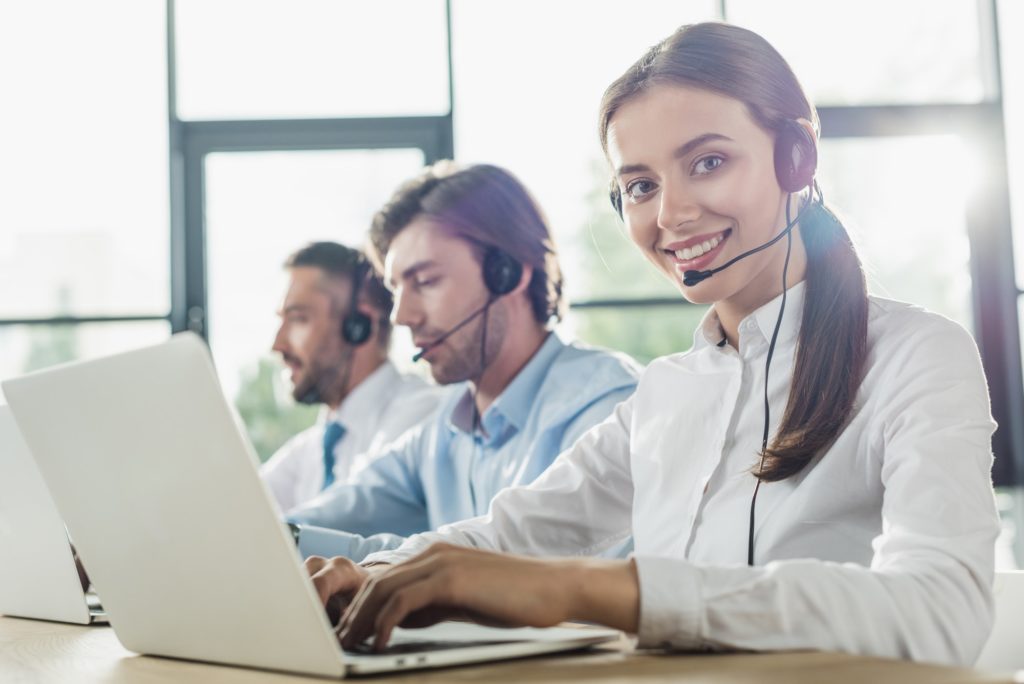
159,488
38,578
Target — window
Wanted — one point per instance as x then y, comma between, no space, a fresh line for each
261,207
83,179
83,173
913,248
238,59
876,51
30,347
1011,22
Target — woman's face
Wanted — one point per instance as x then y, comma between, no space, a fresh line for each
698,186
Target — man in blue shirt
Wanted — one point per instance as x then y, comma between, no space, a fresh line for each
472,264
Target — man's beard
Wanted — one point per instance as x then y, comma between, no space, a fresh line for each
322,381
311,390
463,358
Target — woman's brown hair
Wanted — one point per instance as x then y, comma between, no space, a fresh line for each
832,344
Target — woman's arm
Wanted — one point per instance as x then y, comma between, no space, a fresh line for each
449,581
581,505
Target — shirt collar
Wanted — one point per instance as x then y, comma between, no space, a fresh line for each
513,404
710,333
363,403
768,315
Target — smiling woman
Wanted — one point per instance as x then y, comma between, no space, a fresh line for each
719,186
731,183
875,526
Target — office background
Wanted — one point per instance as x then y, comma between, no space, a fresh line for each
160,158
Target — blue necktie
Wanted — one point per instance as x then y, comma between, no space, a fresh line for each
332,435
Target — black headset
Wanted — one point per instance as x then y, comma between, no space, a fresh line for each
501,272
796,159
356,326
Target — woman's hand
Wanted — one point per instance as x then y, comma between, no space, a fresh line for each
336,581
447,582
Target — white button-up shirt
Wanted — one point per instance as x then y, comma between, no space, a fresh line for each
883,545
374,414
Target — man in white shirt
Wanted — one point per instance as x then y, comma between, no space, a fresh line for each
334,337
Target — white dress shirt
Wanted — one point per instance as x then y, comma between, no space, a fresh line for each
884,545
378,411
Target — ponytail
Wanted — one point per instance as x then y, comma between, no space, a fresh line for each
832,345
831,348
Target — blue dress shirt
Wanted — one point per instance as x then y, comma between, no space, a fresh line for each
442,472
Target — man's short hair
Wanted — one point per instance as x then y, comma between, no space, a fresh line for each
488,207
339,261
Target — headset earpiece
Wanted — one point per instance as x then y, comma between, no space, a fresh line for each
502,273
356,326
796,157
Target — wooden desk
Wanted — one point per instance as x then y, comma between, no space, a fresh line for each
44,652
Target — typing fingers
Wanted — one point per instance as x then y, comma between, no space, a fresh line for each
337,576
411,599
359,620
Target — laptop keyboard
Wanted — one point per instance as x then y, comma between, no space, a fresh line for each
405,646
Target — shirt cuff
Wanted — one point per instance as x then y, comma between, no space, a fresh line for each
318,541
671,608
391,557
409,548
381,557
